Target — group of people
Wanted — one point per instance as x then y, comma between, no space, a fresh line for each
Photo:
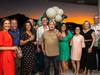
54,47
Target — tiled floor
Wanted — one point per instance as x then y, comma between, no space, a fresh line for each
69,72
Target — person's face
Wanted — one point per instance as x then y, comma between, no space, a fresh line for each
14,24
32,22
28,27
44,21
51,26
96,20
6,25
77,30
86,25
63,27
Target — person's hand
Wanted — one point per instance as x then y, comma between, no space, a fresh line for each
19,52
59,35
31,38
90,50
35,43
15,48
44,52
38,49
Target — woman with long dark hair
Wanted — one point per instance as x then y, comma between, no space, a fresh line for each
7,55
64,50
27,45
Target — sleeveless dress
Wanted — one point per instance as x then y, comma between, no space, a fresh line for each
64,49
88,60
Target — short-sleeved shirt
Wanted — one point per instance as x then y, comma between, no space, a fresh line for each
40,31
51,43
97,33
15,36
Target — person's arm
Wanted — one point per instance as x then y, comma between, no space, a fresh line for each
43,47
43,44
71,42
37,40
59,35
23,42
94,39
9,48
37,37
70,35
83,42
93,42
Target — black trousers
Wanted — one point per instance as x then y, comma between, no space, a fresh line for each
17,66
54,60
98,55
88,60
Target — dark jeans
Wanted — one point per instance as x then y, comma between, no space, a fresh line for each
17,66
54,60
40,60
98,55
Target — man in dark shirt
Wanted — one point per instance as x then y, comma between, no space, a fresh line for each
15,33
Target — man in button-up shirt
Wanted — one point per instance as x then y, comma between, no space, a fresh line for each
40,31
15,33
96,28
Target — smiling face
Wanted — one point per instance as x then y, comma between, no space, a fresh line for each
51,25
14,24
44,21
96,19
77,30
28,26
6,25
63,27
86,25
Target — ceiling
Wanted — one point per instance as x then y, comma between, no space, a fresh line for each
87,2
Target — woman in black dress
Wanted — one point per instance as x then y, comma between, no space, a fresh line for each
27,45
88,59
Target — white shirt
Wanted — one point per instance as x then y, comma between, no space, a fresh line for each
97,33
40,31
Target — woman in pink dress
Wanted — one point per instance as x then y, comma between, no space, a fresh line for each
77,44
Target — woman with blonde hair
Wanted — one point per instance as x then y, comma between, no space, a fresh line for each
88,59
